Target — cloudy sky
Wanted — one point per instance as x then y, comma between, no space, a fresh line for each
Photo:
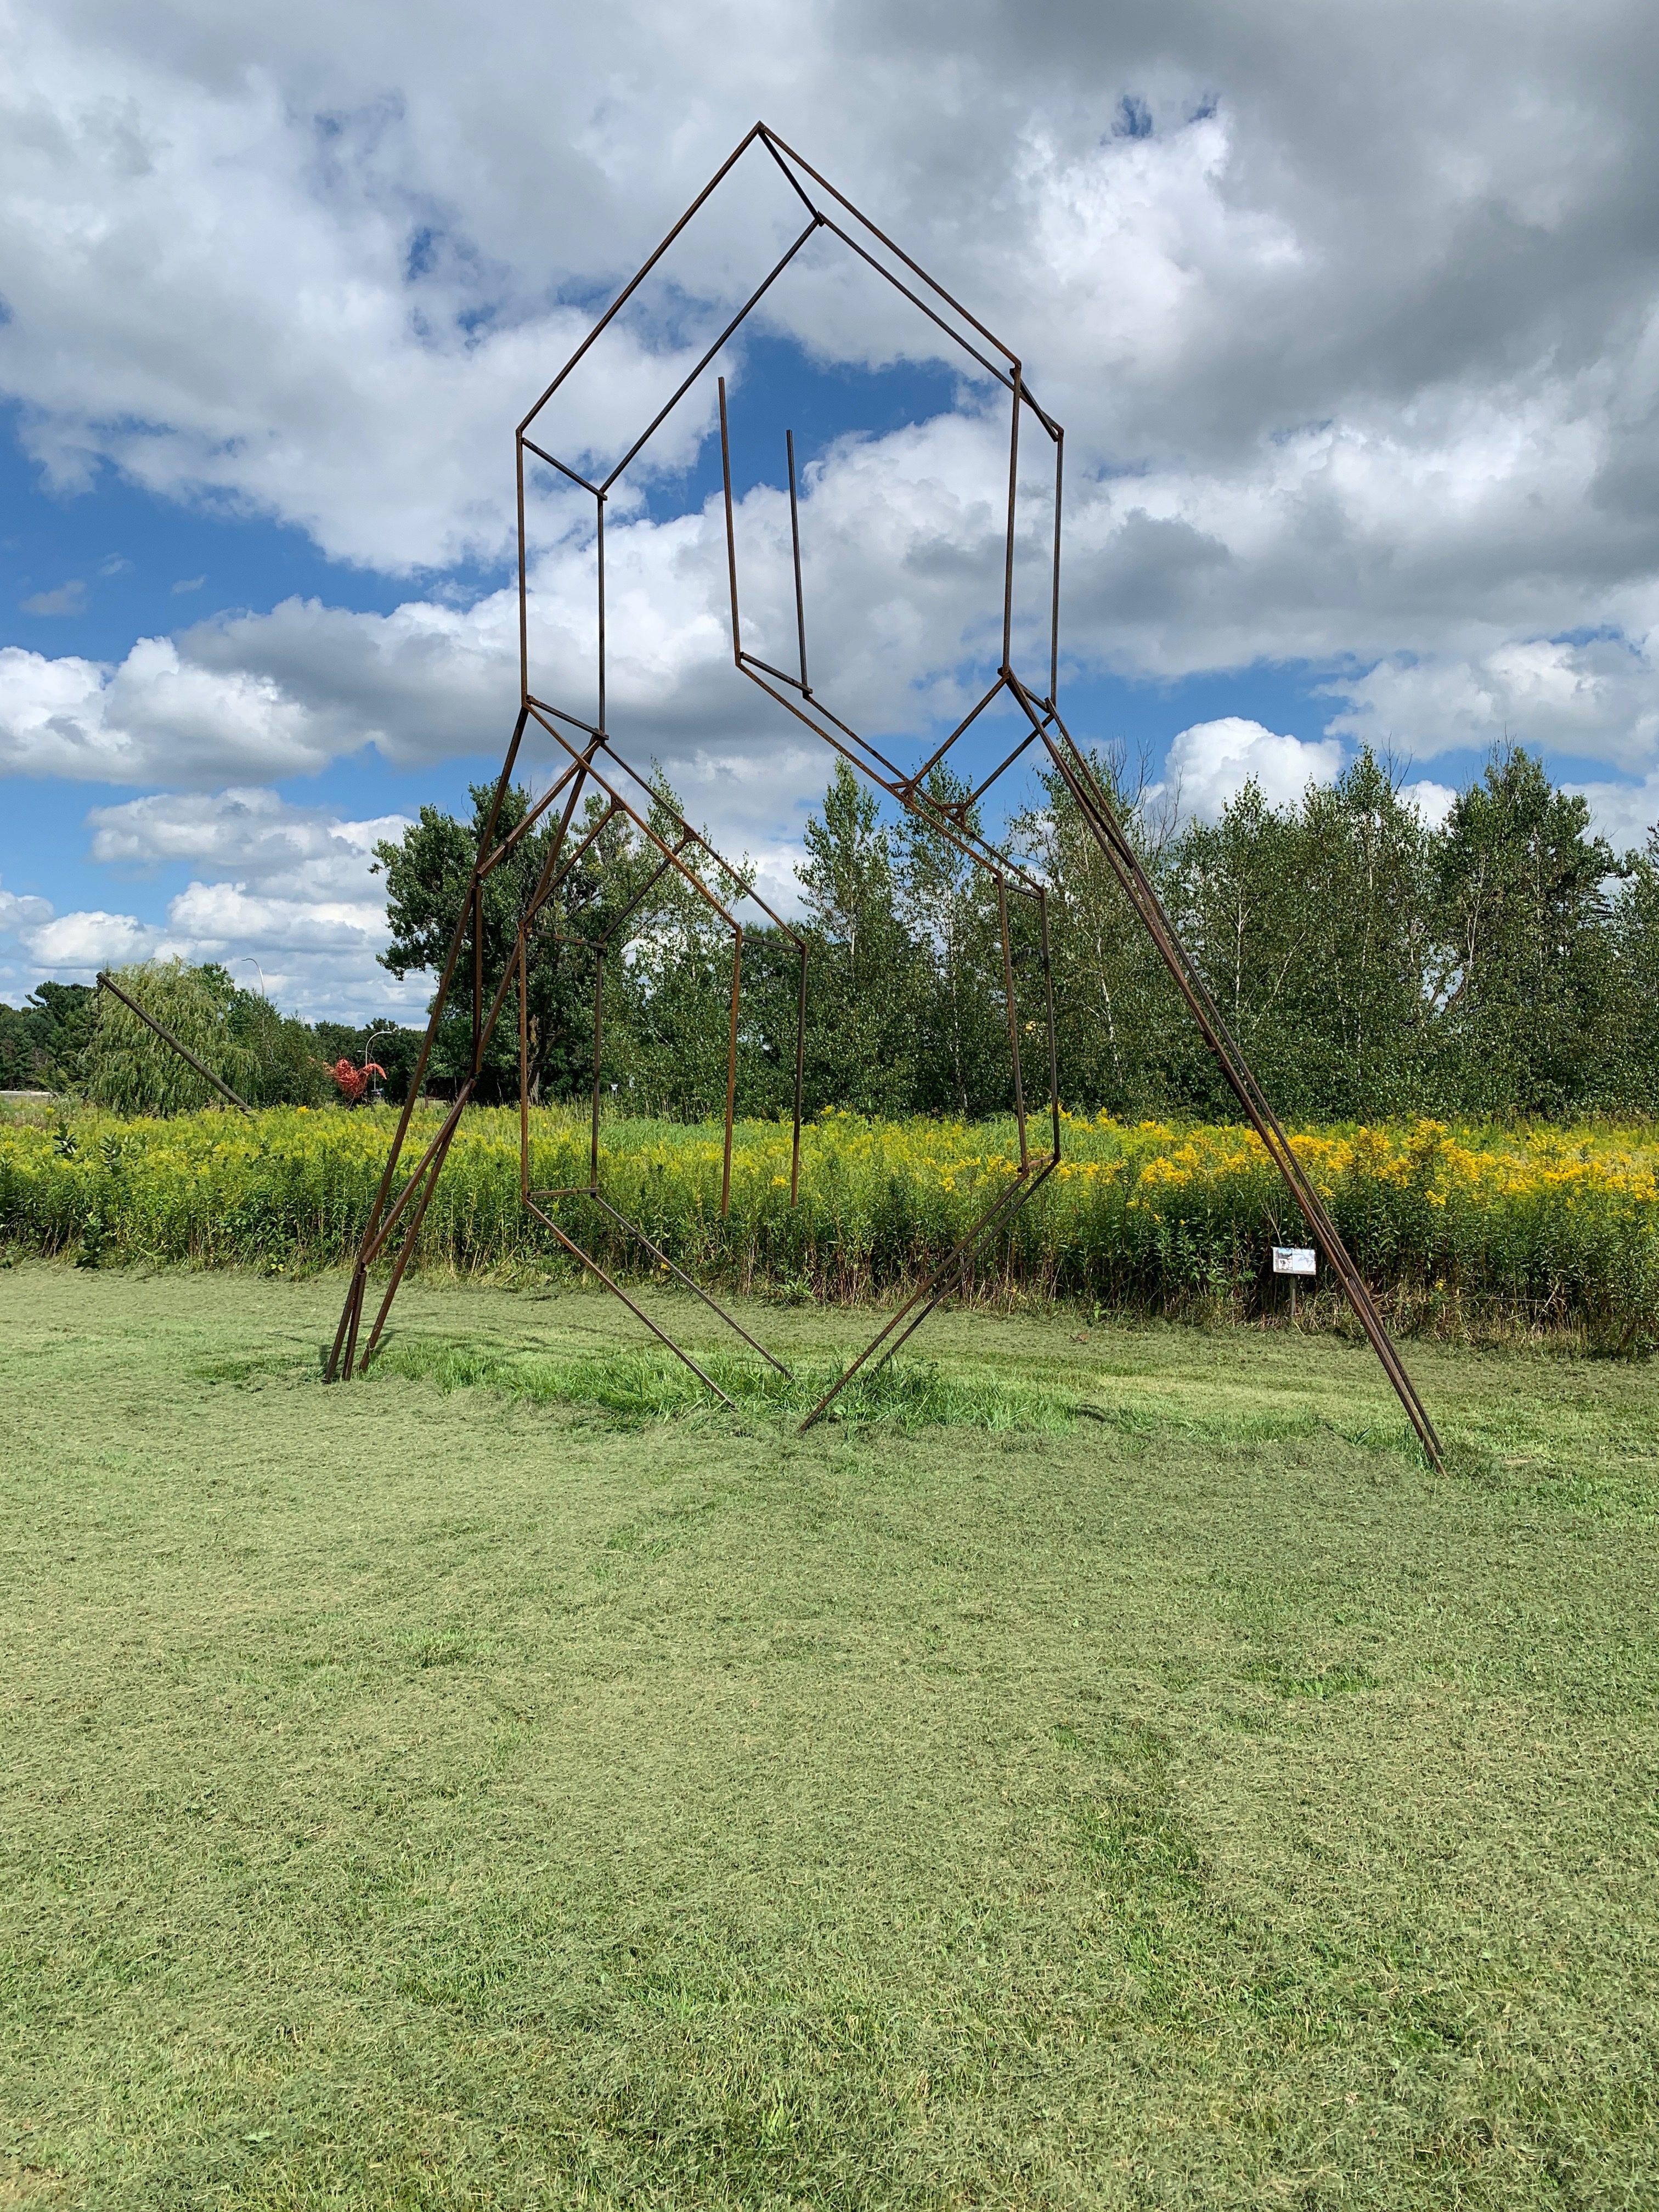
1352,315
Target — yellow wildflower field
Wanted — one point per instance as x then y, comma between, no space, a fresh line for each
1459,1229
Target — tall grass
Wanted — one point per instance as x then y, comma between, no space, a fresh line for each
1461,1230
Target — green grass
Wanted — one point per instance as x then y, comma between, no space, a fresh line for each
1108,1770
636,1386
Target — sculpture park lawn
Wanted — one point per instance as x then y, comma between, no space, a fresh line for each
1115,1773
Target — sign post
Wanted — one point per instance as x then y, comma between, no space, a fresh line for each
1295,1260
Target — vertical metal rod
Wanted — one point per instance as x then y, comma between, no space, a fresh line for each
477,972
524,594
1053,613
800,1069
599,553
732,1069
731,525
1008,570
1053,1042
1013,1018
353,1300
794,541
524,1064
359,1284
598,1019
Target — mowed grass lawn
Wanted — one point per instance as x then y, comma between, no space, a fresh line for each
1146,1786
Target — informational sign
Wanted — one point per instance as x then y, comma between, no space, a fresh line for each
1295,1260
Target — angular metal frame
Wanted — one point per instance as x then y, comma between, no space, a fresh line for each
1034,696
596,769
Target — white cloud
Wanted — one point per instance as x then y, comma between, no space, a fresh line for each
1384,291
1356,340
904,547
159,714
1433,801
1211,764
289,887
292,888
1598,699
21,910
303,852
76,945
1623,813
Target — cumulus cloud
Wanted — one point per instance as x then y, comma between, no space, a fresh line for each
1623,813
79,943
305,851
1383,292
903,550
1357,341
294,887
1211,764
1433,801
159,714
288,886
19,911
1598,698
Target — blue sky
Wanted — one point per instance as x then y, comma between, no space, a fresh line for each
1353,350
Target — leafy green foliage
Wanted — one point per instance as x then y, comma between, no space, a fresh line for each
266,1057
1530,962
42,1041
1368,966
129,1069
1505,964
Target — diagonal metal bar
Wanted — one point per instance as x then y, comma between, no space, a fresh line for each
107,982
747,308
1098,814
686,1282
643,271
638,1312
406,1250
927,1294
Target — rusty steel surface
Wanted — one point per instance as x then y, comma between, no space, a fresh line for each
1030,692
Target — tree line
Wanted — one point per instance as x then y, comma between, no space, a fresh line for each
1504,962
59,1040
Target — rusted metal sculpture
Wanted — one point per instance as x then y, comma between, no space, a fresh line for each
596,771
1031,694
